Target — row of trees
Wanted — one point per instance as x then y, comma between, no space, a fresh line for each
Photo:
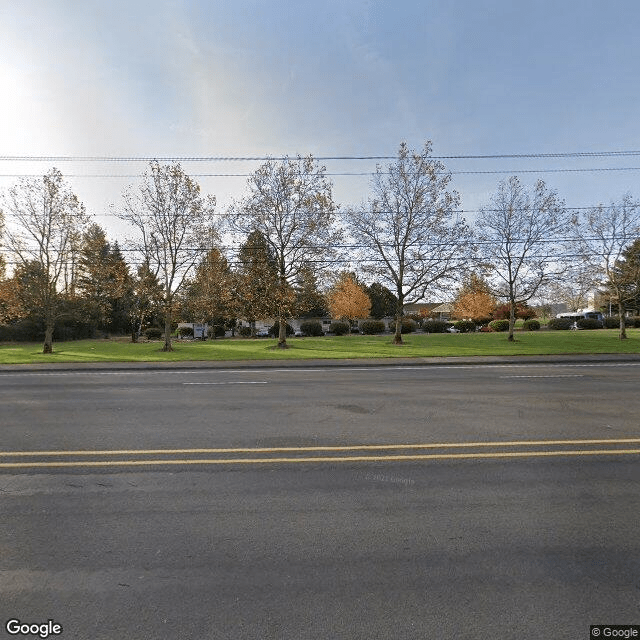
408,237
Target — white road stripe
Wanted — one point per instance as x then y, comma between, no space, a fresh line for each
238,382
559,375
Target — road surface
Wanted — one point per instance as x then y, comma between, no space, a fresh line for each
409,502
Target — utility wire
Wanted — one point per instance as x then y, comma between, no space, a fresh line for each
391,245
478,260
349,213
571,154
333,174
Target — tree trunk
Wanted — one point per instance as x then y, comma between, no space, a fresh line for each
623,327
282,333
512,319
167,332
48,338
397,338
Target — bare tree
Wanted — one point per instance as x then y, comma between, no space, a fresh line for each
175,227
517,235
602,236
410,234
291,204
47,223
578,283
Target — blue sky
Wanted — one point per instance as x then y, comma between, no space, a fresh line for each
193,78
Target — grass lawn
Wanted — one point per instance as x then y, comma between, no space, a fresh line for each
417,345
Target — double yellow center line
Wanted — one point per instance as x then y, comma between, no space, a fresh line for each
317,454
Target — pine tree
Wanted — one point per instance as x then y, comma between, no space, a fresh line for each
210,295
103,282
258,293
310,302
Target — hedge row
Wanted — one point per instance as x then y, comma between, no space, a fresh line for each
29,330
435,326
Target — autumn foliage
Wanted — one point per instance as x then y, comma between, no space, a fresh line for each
474,300
347,300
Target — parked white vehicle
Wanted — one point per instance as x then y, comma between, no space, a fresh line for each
587,314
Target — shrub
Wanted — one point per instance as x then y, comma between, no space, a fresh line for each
371,327
311,328
634,322
245,332
465,326
73,331
417,318
275,330
153,333
588,323
217,331
559,324
407,325
531,325
339,328
185,332
435,326
27,330
613,322
499,325
6,333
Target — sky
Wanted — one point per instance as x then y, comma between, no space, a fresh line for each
194,78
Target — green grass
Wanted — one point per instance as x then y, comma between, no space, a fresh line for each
416,345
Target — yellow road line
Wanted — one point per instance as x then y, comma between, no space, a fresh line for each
372,447
248,461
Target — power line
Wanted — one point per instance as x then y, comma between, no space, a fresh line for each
389,245
569,154
598,207
333,174
349,260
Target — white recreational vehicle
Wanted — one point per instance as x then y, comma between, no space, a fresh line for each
582,314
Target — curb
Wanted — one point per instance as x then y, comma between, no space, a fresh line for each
318,364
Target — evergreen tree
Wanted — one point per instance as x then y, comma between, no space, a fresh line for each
210,295
383,301
310,302
257,286
148,296
103,282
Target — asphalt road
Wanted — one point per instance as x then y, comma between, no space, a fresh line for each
449,502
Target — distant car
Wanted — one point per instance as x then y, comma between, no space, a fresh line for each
453,330
263,333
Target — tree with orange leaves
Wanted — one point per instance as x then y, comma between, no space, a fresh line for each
474,299
347,300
